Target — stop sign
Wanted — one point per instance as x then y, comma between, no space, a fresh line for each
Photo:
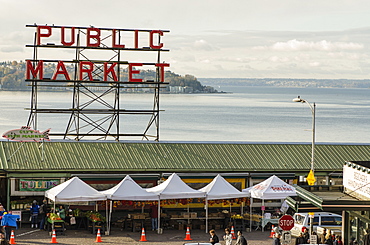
286,222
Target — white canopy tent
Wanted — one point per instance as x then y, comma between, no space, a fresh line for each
220,188
173,188
271,188
127,189
74,190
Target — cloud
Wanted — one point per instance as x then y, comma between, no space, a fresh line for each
314,64
278,59
203,45
323,45
12,49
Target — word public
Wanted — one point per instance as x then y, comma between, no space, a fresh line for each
94,37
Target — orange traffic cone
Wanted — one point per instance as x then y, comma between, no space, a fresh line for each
232,232
272,233
12,241
54,238
143,237
187,237
98,237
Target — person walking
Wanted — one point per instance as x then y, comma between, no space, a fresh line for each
240,240
42,214
154,217
214,238
9,222
228,238
329,238
276,240
322,237
34,212
338,240
300,239
306,235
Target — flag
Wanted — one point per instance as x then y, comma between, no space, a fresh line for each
311,178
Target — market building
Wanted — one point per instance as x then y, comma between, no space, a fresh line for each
28,169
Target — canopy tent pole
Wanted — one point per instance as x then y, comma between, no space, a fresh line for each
159,214
250,214
206,215
188,212
110,215
263,213
107,216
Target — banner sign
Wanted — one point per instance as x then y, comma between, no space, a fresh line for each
26,134
356,181
37,185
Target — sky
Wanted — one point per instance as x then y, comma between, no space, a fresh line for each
322,39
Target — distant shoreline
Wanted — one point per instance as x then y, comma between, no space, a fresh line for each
287,82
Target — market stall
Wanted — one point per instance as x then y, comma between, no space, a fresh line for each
73,190
219,188
173,188
269,189
54,222
127,189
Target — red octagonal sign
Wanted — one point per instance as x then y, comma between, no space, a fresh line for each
286,222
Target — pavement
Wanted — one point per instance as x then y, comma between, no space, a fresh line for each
117,236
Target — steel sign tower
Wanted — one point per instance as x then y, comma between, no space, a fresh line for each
97,85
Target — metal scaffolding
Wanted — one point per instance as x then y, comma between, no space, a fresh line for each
96,109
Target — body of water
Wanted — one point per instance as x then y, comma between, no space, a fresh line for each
247,114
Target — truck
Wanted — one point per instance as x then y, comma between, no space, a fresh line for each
321,220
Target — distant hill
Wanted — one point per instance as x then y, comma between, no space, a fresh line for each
12,76
287,82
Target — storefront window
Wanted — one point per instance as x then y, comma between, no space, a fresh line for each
336,180
353,227
362,231
321,180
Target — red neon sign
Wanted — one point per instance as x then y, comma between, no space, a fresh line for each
105,38
94,36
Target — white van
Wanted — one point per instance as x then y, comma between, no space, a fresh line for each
330,221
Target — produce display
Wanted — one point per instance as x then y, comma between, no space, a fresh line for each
78,213
53,216
95,216
237,216
91,215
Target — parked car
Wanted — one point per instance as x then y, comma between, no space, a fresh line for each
321,220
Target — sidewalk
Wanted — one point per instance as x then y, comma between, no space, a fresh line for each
169,237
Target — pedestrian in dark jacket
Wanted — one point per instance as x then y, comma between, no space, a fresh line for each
214,238
241,239
300,239
276,240
306,235
34,212
44,209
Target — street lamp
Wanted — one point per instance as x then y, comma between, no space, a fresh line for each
313,109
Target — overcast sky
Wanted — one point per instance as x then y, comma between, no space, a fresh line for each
218,38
